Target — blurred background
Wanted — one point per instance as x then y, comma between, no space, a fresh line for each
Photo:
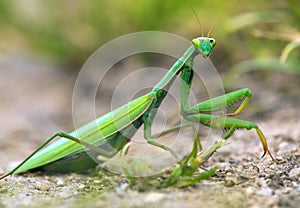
43,45
67,32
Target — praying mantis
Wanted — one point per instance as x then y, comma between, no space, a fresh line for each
108,134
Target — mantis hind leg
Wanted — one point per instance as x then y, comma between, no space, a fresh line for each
60,135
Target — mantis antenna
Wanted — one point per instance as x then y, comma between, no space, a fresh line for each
199,23
198,20
210,29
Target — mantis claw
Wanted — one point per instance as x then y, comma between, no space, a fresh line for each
263,154
269,153
264,143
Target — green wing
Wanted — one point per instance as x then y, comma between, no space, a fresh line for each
93,132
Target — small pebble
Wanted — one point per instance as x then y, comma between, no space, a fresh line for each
295,173
286,190
81,186
97,181
19,184
250,190
42,186
60,182
295,184
279,158
121,189
265,191
3,190
229,183
223,165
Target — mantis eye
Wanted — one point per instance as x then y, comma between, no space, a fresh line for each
196,42
212,41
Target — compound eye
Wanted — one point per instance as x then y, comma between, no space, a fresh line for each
196,42
212,41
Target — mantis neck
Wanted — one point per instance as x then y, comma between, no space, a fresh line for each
169,78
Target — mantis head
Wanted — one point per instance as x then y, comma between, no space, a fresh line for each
204,45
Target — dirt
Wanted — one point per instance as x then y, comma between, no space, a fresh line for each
35,103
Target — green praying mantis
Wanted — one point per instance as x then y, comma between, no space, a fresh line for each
108,134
